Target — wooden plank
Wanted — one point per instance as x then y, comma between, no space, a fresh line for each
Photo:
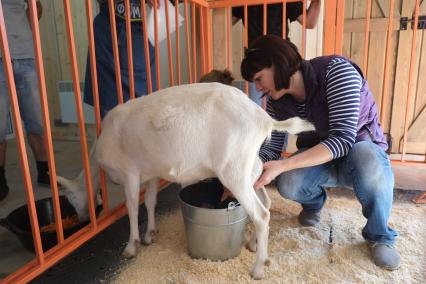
357,48
237,48
376,58
417,131
421,83
376,25
219,38
50,59
347,36
384,7
401,78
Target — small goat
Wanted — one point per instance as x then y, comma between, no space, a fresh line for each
185,134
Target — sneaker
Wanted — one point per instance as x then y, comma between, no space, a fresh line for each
385,256
4,189
308,219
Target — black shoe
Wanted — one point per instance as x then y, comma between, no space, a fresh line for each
4,189
43,179
309,219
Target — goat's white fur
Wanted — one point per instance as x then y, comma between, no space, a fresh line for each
185,134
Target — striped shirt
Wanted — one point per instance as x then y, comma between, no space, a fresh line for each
343,85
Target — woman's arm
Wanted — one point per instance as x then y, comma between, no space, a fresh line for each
316,155
312,14
343,85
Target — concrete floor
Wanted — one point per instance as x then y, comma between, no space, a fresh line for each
99,258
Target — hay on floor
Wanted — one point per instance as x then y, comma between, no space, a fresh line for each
299,255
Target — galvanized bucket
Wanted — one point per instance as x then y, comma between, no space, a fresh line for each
215,234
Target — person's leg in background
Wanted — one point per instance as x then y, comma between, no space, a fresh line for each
30,108
4,111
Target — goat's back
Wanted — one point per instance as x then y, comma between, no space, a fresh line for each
183,133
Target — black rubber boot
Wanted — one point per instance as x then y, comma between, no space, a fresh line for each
4,189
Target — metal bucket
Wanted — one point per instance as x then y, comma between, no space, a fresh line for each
215,234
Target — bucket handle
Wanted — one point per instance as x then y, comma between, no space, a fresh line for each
232,205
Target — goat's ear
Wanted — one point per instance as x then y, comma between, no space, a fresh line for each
68,184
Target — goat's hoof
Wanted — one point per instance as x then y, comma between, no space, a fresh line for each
268,261
150,237
129,253
251,247
258,273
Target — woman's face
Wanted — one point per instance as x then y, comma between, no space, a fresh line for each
264,82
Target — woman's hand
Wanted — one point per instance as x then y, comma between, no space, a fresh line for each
271,170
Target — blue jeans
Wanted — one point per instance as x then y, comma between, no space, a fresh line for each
366,169
107,88
26,82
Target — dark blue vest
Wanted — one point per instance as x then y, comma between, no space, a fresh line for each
314,76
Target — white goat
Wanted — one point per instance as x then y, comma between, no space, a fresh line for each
185,134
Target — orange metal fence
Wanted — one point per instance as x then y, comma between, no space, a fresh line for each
198,42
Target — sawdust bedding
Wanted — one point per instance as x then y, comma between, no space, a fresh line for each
299,255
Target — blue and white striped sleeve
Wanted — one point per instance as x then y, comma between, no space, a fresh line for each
343,85
271,149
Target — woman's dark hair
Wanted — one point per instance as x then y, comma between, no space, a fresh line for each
271,51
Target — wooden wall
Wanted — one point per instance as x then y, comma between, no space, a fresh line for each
399,61
56,55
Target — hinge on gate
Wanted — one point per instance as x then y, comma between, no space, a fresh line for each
421,25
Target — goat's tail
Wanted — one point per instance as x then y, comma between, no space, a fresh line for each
293,125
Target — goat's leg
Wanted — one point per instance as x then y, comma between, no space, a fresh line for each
262,195
246,196
266,201
150,202
132,189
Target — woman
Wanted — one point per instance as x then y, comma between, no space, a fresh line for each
107,88
331,92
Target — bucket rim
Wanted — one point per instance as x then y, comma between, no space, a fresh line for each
210,209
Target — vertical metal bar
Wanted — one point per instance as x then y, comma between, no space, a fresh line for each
203,42
228,38
366,38
169,45
93,68
410,79
79,107
329,27
129,49
179,80
23,157
208,25
246,39
265,19
340,21
304,30
188,47
385,96
194,45
115,50
157,47
46,120
146,49
284,19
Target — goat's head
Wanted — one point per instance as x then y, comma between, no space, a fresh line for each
76,193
